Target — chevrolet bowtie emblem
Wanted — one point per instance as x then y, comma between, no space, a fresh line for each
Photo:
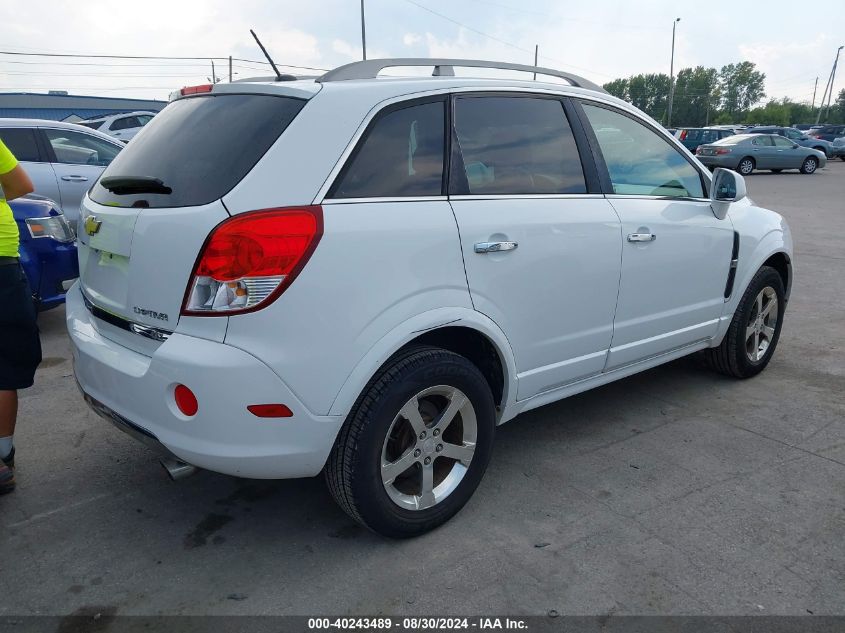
92,225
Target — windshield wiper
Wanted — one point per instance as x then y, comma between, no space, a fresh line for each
127,185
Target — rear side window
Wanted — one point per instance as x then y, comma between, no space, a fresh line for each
21,142
400,155
639,161
76,148
762,140
123,122
199,148
515,145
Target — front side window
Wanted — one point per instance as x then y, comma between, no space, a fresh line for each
764,141
639,161
400,155
21,142
793,134
783,142
515,145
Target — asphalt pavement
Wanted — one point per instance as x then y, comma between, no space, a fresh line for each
676,491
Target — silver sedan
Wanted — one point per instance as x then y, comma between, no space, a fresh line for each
746,152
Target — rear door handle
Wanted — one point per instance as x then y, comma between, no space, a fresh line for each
75,178
494,247
641,237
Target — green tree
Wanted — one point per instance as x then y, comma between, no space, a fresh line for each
740,87
694,103
649,93
837,110
618,88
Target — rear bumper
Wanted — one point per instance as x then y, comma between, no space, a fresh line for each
727,161
223,436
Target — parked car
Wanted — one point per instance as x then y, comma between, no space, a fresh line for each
692,137
363,277
747,152
47,249
839,147
827,132
62,159
803,126
796,137
122,126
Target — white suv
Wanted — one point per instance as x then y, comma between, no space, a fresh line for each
364,276
122,126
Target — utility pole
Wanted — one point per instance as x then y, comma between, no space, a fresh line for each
829,85
230,69
832,80
363,33
707,117
813,104
536,50
672,76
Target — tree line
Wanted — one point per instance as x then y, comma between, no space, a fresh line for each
707,96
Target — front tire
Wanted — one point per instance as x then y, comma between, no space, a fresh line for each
754,332
809,165
746,166
415,445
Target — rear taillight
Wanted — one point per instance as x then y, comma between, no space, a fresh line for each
683,135
250,259
721,151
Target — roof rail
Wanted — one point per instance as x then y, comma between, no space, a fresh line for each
369,69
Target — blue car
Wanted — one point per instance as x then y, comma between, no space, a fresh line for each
47,251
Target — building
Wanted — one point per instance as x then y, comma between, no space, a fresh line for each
60,106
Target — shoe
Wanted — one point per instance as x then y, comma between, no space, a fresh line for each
7,479
9,460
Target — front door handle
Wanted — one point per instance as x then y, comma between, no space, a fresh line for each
494,247
75,178
641,237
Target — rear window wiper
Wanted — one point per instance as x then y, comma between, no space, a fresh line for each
127,185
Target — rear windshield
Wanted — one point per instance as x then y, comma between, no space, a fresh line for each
732,140
199,148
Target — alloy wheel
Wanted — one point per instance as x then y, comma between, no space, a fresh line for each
760,329
429,447
746,167
809,166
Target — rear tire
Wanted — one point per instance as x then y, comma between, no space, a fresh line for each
753,334
746,166
401,465
809,165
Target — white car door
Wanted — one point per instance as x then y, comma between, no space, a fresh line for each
541,248
676,255
78,160
23,143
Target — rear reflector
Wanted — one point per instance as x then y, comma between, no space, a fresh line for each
249,260
186,401
270,411
192,90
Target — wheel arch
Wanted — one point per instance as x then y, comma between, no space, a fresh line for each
463,331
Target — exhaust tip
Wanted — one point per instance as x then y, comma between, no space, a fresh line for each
177,469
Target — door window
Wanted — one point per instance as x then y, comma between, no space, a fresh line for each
514,145
639,161
21,142
765,141
400,155
122,123
783,142
76,148
793,134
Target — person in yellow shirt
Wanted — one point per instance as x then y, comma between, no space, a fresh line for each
20,347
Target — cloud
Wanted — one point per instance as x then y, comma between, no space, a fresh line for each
409,39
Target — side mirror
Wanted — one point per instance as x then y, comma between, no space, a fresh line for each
795,146
727,187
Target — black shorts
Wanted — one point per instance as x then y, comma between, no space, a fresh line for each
20,347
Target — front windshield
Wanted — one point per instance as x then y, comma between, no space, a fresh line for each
732,140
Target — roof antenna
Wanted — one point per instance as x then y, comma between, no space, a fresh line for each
279,76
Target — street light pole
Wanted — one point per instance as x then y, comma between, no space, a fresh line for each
363,32
672,76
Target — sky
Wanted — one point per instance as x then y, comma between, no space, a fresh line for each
600,39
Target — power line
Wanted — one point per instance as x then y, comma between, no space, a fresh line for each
500,40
